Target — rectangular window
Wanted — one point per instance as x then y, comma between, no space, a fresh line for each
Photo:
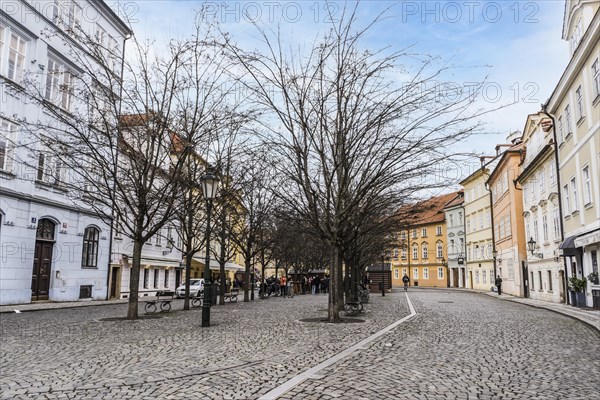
484,276
158,239
169,237
415,273
552,173
424,232
568,120
50,169
403,235
8,139
166,285
587,186
480,220
404,252
556,224
561,130
440,273
439,231
488,218
451,220
579,107
540,280
535,229
396,273
532,281
542,178
59,84
545,227
16,57
425,273
146,278
462,245
596,78
156,271
440,251
476,276
549,276
566,200
468,224
574,199
414,233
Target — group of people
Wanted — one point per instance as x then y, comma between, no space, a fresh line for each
314,284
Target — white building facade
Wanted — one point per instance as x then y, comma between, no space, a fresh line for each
455,241
575,107
541,212
53,248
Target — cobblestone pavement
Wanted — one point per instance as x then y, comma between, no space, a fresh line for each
459,345
249,349
469,346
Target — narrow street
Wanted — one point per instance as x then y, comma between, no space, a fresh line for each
458,345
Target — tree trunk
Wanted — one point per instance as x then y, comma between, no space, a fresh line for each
134,280
333,309
223,286
340,274
247,280
188,271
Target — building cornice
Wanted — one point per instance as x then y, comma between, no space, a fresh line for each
546,152
52,203
574,68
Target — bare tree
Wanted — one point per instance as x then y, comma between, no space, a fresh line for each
346,130
127,136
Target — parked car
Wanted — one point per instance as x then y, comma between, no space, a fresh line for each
196,287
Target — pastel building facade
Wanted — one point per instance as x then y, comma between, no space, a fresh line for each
539,182
53,246
575,107
478,231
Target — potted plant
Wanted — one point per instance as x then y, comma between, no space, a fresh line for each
577,287
593,277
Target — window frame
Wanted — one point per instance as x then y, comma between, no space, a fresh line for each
587,185
91,245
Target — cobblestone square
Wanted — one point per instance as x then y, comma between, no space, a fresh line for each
459,345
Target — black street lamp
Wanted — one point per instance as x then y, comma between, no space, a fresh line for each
210,183
531,246
383,258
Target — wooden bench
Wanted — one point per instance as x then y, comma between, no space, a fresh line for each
163,300
232,296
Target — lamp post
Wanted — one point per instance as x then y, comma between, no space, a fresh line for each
382,273
210,183
531,246
495,257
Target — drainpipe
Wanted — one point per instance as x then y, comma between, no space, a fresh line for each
112,221
559,188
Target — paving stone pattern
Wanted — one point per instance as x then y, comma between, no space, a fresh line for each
469,346
459,346
249,349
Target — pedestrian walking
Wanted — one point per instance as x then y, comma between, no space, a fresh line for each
405,280
499,284
282,286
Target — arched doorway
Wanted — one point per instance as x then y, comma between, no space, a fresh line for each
42,259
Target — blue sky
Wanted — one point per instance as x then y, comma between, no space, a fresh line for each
515,45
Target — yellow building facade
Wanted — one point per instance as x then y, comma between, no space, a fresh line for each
421,251
478,231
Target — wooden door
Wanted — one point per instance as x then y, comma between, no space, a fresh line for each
113,283
42,266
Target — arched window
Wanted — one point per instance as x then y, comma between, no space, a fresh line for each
45,230
425,251
89,257
415,251
440,250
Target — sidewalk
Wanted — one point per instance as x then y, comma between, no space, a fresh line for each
51,305
588,315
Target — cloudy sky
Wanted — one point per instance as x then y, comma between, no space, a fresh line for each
515,45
